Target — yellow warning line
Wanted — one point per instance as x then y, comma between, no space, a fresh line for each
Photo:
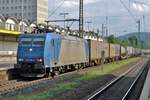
9,32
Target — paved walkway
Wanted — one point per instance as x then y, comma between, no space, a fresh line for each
145,95
7,62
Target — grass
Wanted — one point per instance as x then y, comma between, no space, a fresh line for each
107,69
61,87
48,94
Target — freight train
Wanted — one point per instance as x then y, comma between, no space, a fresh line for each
47,54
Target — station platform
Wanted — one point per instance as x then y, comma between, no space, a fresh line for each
7,62
8,46
145,95
7,68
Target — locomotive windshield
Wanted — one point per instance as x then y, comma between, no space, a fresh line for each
36,41
26,41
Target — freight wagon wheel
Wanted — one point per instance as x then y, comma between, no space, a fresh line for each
76,67
52,74
62,70
57,72
84,65
81,66
47,75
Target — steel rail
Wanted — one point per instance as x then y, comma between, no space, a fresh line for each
133,84
93,97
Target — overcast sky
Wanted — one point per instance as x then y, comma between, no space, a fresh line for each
119,20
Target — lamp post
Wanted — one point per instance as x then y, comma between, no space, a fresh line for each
139,32
81,21
64,14
22,14
88,25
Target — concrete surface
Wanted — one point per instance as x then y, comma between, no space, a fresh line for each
145,95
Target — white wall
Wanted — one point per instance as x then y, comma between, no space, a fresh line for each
33,10
8,46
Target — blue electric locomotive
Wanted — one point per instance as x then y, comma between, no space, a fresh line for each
41,54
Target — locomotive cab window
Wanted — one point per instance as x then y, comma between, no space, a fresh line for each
26,41
53,42
38,42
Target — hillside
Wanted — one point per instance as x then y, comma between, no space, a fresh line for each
145,36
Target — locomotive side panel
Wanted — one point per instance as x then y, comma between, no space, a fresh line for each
72,52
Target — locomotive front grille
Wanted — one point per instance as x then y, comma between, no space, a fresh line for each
32,68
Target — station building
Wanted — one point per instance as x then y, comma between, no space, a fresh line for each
17,16
31,10
10,29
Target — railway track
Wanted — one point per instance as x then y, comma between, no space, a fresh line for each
7,87
4,83
121,87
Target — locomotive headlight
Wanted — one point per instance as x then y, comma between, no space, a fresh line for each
40,60
21,59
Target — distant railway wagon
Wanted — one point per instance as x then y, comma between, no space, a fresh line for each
129,51
98,51
112,52
145,51
123,52
137,51
39,55
117,51
102,51
133,51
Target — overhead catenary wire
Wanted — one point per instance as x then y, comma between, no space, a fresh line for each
130,13
54,11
